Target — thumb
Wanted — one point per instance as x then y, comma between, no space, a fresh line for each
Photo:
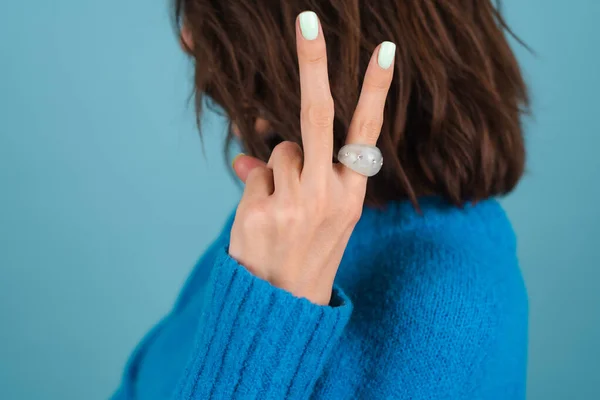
243,164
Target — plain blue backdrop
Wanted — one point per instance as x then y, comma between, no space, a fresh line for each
106,199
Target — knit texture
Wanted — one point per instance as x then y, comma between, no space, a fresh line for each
426,305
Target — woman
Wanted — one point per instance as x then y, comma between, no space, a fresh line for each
321,286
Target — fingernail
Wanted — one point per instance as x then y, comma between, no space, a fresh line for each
309,25
387,51
235,158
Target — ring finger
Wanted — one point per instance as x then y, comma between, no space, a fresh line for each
286,163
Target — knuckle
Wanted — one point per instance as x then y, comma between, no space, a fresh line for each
354,214
316,53
285,149
288,214
286,154
316,59
254,175
255,216
377,85
320,114
370,128
352,208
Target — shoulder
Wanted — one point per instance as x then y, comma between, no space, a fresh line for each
446,302
453,264
476,244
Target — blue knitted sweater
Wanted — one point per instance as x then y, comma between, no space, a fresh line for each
425,306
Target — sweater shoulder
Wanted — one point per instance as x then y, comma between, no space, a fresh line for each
465,267
459,260
476,244
443,293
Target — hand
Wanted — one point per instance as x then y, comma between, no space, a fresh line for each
298,211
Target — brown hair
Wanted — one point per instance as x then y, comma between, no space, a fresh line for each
452,119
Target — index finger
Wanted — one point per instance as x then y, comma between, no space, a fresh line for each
317,110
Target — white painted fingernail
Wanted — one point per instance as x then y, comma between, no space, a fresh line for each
309,25
387,51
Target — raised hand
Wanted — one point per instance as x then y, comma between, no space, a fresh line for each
298,211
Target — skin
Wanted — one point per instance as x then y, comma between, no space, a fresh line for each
298,210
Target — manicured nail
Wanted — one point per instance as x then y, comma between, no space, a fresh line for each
235,158
387,51
309,25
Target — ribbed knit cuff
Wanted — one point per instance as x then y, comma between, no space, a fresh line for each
260,341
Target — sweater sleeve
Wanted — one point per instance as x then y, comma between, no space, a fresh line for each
258,341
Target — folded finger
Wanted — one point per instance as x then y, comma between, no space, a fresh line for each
259,183
242,165
286,163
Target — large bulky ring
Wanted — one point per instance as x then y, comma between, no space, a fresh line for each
362,158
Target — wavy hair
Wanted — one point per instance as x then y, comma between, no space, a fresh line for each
452,120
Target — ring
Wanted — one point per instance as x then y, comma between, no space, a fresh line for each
362,158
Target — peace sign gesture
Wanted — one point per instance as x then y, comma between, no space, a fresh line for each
298,211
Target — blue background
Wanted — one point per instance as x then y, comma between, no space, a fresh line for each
107,201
